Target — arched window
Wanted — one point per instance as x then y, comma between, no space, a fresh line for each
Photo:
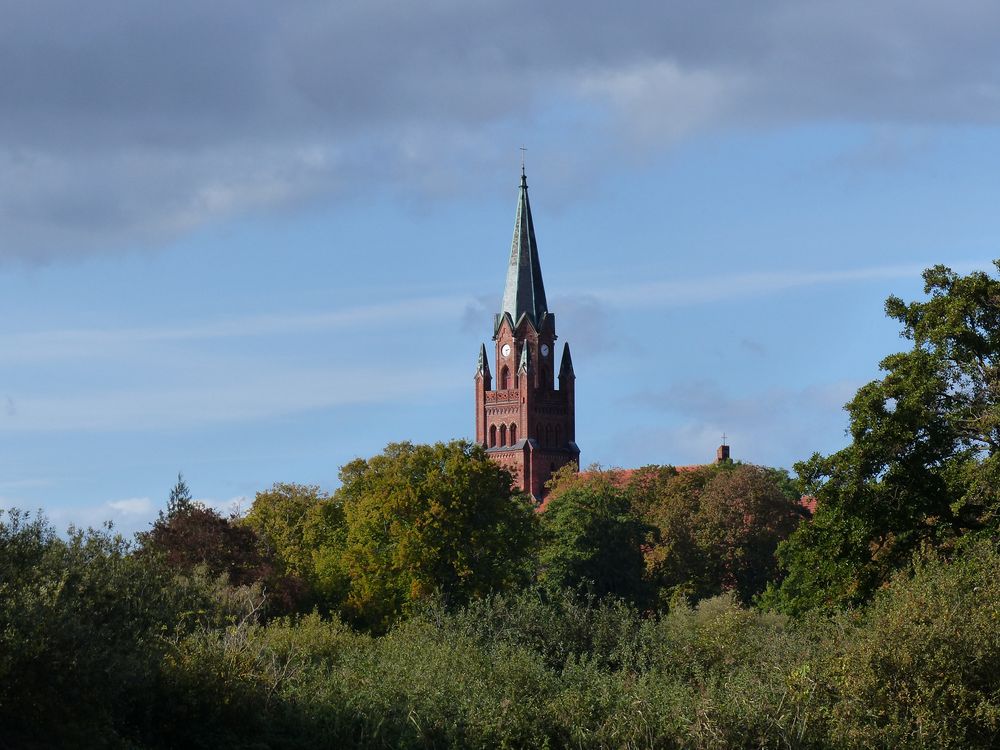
548,435
493,436
558,442
503,434
513,433
504,378
543,379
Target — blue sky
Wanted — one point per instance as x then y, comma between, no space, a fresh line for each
252,242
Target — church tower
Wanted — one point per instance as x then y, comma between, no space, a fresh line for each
526,423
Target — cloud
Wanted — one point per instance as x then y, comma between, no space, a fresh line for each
763,426
30,482
132,506
221,396
585,310
127,515
134,122
84,343
753,346
707,399
477,310
234,506
588,325
685,292
658,101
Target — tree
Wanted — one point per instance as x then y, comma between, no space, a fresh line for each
669,501
718,527
303,528
707,530
592,541
426,519
201,537
180,498
923,464
84,624
744,512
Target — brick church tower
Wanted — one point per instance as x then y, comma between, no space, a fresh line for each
526,423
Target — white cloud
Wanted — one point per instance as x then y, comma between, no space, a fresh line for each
657,101
222,397
132,506
685,292
237,505
127,515
85,343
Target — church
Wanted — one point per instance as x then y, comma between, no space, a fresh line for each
527,423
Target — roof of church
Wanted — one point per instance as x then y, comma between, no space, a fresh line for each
524,292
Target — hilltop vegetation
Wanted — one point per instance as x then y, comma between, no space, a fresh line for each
426,604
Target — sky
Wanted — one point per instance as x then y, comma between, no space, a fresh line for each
251,241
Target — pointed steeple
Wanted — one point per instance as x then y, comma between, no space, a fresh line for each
483,367
524,292
566,367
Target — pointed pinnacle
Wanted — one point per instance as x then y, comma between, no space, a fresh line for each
483,366
566,367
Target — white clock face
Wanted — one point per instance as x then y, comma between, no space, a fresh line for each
505,351
545,350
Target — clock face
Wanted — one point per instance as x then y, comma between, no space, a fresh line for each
545,350
505,351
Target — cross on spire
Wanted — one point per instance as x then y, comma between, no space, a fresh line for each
523,149
723,438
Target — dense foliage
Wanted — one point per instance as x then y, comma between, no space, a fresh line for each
593,542
427,604
423,520
100,648
658,534
924,462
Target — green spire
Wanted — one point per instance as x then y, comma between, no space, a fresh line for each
524,293
483,367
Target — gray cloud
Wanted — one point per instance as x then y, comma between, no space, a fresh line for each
762,427
477,311
132,121
707,399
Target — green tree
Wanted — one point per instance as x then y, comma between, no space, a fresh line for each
708,530
923,465
423,519
670,501
83,623
591,540
304,529
180,500
921,668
